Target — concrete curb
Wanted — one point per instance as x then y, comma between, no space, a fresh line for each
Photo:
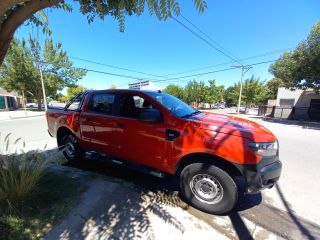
304,124
38,115
21,117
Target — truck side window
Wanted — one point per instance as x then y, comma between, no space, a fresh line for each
131,105
102,103
75,102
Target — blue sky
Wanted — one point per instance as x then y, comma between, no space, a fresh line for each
244,28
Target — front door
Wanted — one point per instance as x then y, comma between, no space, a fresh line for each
141,142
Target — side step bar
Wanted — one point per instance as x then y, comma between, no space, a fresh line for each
107,158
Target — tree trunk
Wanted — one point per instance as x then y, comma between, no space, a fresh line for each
17,18
39,104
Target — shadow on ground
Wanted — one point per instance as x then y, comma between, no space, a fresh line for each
166,191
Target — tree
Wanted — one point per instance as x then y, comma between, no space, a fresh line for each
74,90
253,92
13,13
196,92
175,91
300,68
20,70
215,93
231,95
273,85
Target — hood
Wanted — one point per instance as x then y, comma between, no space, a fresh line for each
234,126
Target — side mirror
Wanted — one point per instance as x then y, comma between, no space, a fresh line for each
150,115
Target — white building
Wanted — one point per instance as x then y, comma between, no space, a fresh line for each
306,103
145,85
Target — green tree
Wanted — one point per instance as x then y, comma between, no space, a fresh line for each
13,13
20,71
175,91
196,92
254,92
215,93
231,95
74,90
300,68
273,85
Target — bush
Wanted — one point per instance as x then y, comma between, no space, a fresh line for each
19,173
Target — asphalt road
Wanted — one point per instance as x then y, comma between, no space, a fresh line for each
291,210
32,130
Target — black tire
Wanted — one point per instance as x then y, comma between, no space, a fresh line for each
71,148
208,188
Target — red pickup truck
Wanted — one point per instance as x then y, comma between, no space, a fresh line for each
160,134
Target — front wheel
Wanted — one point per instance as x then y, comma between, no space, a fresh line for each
208,188
71,148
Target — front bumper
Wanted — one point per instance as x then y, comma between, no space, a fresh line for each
263,175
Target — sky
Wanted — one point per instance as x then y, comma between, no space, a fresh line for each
244,29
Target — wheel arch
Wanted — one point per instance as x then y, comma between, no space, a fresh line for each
61,132
208,158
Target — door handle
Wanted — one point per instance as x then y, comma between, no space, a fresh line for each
86,119
120,125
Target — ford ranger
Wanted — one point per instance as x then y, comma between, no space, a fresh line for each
160,134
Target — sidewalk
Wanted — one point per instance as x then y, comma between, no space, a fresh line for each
17,114
116,209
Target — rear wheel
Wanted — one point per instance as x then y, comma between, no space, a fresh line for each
71,148
208,188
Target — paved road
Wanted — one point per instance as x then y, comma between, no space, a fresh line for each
33,130
290,210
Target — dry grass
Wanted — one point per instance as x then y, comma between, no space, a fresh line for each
19,173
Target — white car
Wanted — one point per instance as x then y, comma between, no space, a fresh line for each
243,109
31,105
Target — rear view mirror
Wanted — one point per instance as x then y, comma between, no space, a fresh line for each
150,115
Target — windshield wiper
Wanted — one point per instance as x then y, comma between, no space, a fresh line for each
191,114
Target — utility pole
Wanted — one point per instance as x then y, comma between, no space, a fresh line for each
39,63
244,69
43,90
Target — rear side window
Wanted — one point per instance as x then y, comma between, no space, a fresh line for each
102,103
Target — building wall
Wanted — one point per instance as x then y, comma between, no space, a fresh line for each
302,98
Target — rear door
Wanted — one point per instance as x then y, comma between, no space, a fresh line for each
99,126
141,142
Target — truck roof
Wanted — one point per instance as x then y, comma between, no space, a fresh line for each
122,90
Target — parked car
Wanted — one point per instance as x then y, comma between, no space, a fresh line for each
243,109
159,134
31,105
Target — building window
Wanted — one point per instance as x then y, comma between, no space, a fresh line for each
286,103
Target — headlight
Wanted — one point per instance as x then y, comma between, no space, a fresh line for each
265,149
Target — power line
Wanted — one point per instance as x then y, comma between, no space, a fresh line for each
102,72
210,38
210,72
115,74
120,68
193,32
226,63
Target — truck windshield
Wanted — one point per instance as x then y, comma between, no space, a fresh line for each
173,104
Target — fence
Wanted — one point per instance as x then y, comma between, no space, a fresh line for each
293,113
